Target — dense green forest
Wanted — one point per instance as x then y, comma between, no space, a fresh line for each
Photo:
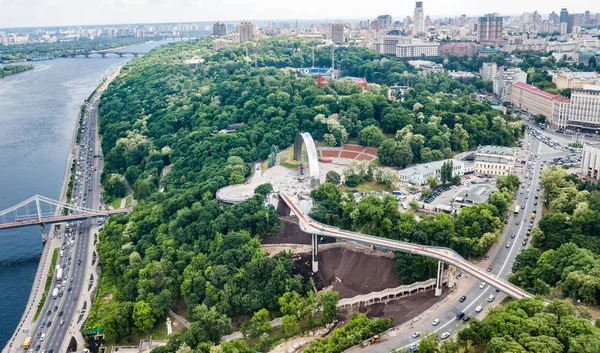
181,248
26,51
565,258
524,326
14,69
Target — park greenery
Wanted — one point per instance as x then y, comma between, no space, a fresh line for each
471,232
565,258
524,326
27,51
14,69
180,248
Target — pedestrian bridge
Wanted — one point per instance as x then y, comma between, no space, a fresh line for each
443,255
43,210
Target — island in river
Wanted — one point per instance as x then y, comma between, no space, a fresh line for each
14,69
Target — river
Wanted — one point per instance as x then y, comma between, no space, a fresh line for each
38,109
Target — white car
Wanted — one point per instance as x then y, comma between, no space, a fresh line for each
491,298
508,245
482,285
43,337
416,334
435,322
478,309
444,335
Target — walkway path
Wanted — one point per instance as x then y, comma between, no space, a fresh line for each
179,318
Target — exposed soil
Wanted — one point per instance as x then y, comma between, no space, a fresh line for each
352,273
289,233
402,310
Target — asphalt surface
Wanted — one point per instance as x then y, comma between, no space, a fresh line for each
501,263
85,193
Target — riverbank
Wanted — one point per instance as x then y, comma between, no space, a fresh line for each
14,69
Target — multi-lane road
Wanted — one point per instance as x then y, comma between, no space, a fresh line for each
63,311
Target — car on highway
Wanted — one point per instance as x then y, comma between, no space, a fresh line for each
416,334
37,348
444,335
49,323
49,312
489,268
508,245
62,322
486,257
481,285
75,298
435,322
43,337
60,313
491,298
462,299
524,242
478,308
513,235
466,318
43,324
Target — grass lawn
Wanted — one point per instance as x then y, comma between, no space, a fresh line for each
48,284
114,202
290,162
367,186
128,200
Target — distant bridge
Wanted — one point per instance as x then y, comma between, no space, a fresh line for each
102,53
43,210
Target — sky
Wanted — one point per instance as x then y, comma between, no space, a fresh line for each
39,13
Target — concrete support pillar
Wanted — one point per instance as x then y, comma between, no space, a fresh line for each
315,246
438,281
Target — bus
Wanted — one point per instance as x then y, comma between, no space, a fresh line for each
517,209
27,342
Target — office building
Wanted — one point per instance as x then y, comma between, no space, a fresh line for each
537,102
385,21
219,29
504,79
564,19
479,195
495,160
584,112
488,71
554,18
569,79
418,174
573,23
418,19
247,31
590,162
417,49
489,29
337,32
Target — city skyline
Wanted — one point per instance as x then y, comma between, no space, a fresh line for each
44,13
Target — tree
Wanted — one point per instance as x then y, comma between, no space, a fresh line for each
328,301
371,136
395,154
333,177
291,303
114,185
290,325
509,182
213,324
432,182
260,323
264,189
142,317
414,205
185,349
428,345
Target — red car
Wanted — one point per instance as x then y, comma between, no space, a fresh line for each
489,269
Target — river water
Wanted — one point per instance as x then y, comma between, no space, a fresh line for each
38,109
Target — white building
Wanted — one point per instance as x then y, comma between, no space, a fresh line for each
419,19
488,71
590,162
418,49
584,111
495,160
426,65
418,174
505,77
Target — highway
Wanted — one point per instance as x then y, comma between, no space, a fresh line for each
489,282
86,193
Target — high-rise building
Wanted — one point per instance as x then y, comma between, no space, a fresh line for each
504,79
385,21
564,15
489,29
488,71
418,19
337,32
246,31
219,29
584,112
546,27
554,18
573,23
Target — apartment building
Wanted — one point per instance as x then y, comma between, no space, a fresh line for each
469,49
219,29
246,31
489,29
488,71
584,112
504,80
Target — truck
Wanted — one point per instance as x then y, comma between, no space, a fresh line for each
460,315
55,293
59,274
27,342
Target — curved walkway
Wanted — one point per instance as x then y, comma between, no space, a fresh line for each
308,225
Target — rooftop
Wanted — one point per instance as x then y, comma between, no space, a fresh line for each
427,167
496,150
590,75
534,89
493,159
480,194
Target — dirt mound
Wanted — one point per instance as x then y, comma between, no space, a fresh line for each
289,233
402,310
358,272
